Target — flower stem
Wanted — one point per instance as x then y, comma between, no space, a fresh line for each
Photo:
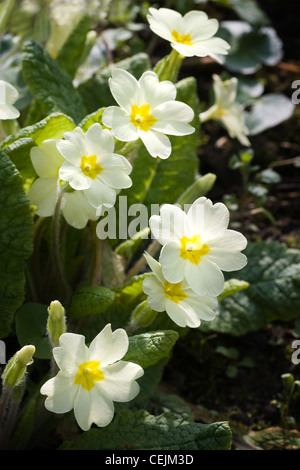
56,245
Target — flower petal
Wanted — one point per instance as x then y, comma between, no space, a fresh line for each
204,278
227,261
163,21
75,177
43,193
124,88
77,210
204,306
209,220
173,266
157,144
108,347
155,266
231,240
154,289
72,148
208,47
99,193
174,111
98,141
46,159
71,352
171,224
198,25
119,120
156,92
61,393
119,381
181,315
93,407
115,172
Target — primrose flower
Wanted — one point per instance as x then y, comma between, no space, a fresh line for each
148,111
43,193
91,378
227,110
197,245
8,96
92,167
181,303
190,35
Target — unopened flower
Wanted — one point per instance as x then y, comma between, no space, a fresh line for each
47,160
181,303
92,167
227,110
8,96
148,111
190,35
17,366
91,378
197,245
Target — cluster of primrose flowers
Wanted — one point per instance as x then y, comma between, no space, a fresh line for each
81,174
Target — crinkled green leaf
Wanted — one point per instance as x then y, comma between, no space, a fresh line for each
273,272
16,234
49,84
31,328
52,127
119,312
19,153
148,348
142,431
90,301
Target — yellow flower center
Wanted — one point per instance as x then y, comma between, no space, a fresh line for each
193,249
174,292
88,373
140,117
222,112
182,38
90,167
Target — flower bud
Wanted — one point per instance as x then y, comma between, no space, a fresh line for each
142,316
16,367
56,324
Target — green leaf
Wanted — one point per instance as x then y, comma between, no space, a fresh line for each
118,313
71,53
155,180
19,153
141,430
249,10
96,92
49,84
250,47
16,234
52,127
90,301
273,272
232,286
148,348
268,111
31,324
